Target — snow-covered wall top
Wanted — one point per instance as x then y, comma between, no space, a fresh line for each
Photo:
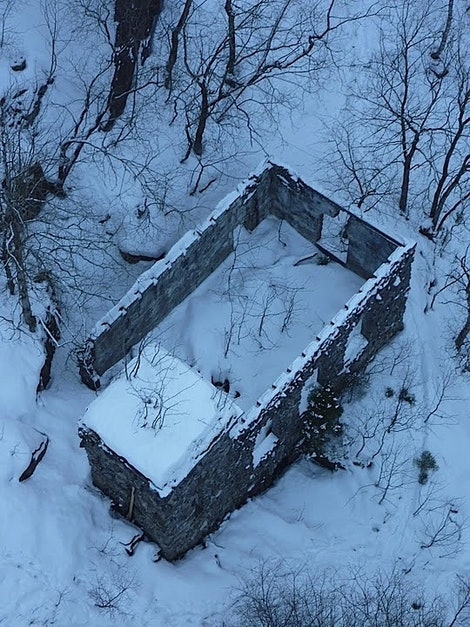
272,190
163,414
157,386
349,318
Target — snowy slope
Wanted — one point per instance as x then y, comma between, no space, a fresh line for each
62,554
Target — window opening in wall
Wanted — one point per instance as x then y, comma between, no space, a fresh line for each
265,443
334,236
308,386
355,345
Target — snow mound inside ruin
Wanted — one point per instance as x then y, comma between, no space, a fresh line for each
160,415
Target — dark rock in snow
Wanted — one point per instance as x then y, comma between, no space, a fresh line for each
19,65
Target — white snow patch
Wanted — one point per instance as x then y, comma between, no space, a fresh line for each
258,310
354,303
333,237
21,360
355,345
265,443
309,385
160,417
17,443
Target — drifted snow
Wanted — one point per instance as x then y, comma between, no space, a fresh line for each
160,415
21,360
58,542
264,444
251,318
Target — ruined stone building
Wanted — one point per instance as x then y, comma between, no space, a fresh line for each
177,474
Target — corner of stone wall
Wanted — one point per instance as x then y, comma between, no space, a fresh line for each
88,374
380,319
260,204
381,323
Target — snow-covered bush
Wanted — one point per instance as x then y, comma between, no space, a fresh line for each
322,427
425,462
274,597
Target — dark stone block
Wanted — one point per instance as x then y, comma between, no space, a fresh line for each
19,66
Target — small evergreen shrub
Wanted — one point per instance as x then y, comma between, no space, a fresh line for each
406,396
425,463
389,392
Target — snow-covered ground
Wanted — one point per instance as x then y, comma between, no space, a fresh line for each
62,554
250,319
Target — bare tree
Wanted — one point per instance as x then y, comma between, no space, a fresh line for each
6,9
40,145
227,63
457,287
442,527
112,593
463,280
445,31
412,115
134,27
275,596
23,191
174,45
373,431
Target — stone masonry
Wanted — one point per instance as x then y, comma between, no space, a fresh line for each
180,518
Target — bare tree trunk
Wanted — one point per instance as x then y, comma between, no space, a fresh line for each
203,117
231,38
465,330
6,265
134,24
21,277
405,184
175,35
445,33
448,180
443,190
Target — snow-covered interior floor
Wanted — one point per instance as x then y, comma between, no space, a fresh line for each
258,310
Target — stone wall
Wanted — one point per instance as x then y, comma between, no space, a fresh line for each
300,205
367,247
229,471
171,280
221,482
243,460
274,191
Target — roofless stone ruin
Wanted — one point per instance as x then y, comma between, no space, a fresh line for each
176,454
